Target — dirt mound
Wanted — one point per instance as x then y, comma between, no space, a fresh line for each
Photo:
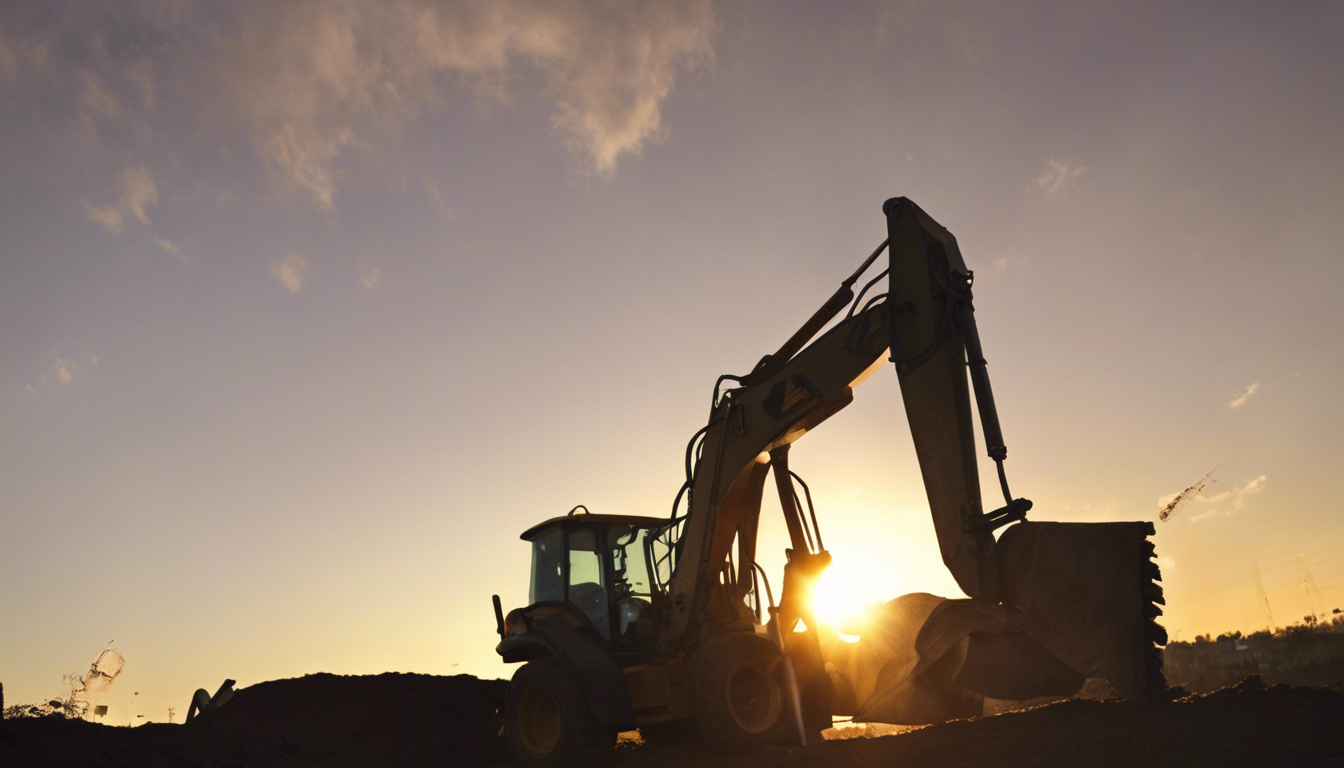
389,719
1245,725
384,719
398,719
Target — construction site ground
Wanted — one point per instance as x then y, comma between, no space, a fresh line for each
410,720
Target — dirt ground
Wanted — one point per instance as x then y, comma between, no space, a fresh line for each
406,720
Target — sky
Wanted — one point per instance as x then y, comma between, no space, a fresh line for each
307,311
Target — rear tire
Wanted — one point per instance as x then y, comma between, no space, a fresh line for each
742,700
547,721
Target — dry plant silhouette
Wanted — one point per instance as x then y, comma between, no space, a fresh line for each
85,689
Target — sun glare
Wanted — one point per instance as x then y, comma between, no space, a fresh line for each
842,596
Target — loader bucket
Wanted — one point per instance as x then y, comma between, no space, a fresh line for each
1079,603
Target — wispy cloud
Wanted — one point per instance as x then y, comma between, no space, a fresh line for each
305,85
370,278
436,196
59,369
291,271
1249,489
1240,401
1011,259
170,248
1059,178
109,217
137,194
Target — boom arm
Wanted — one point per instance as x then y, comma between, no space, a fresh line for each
927,319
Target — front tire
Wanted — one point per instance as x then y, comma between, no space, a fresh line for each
741,696
547,721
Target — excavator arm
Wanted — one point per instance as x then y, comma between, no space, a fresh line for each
1047,605
926,317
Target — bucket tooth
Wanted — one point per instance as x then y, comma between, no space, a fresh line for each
1153,594
1155,633
1151,571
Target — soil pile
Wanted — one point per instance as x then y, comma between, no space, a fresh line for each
388,719
1246,725
399,719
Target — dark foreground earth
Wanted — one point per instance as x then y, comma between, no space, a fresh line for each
408,720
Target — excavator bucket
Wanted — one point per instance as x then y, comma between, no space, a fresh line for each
1079,603
1090,596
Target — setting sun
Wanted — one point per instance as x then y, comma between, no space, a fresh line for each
842,596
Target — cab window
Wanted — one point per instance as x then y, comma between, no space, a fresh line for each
587,579
636,619
548,580
627,544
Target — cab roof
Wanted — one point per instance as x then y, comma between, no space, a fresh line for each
636,520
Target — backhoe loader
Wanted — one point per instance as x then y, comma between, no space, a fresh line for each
642,621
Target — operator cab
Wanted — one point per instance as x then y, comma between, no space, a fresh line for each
595,567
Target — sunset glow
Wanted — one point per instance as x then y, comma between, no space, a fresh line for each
311,309
842,596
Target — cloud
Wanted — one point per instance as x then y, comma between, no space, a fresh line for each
1240,401
1249,489
108,216
1012,259
170,248
610,98
138,194
305,86
21,54
291,271
370,278
59,369
436,197
1059,177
